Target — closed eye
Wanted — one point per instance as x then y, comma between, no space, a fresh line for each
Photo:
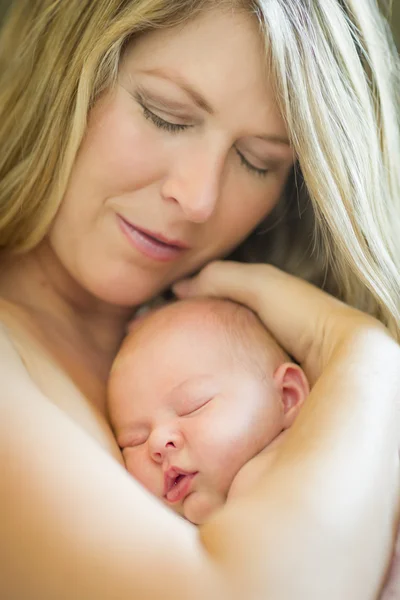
162,123
158,121
165,125
194,410
133,445
132,440
250,167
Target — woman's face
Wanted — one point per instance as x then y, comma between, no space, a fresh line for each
179,163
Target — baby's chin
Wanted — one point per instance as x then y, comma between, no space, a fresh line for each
200,506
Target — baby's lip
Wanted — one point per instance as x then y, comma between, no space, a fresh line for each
177,483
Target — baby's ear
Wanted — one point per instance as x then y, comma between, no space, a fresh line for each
293,387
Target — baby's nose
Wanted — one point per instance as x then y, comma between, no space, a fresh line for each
162,443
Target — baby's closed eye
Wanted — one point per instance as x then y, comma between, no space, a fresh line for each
193,407
133,438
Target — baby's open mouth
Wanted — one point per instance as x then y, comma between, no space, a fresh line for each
177,484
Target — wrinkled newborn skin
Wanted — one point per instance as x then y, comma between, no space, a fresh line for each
197,390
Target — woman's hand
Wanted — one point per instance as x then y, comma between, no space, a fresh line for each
341,455
308,323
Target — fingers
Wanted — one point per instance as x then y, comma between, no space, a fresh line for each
219,278
305,321
282,302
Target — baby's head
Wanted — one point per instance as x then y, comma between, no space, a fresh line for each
198,388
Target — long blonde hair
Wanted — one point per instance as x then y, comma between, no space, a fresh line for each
335,71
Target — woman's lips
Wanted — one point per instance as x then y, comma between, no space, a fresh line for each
151,246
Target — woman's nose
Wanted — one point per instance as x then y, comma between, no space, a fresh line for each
163,442
195,184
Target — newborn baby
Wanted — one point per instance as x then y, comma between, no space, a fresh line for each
198,389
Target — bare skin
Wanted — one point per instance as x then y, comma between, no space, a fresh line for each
109,561
68,507
188,185
67,383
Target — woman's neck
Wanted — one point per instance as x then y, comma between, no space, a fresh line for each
78,329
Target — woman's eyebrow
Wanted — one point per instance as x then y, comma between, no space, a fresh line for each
200,101
274,139
187,87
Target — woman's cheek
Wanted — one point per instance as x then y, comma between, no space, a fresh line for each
127,152
260,199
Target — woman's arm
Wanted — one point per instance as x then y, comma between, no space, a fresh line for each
344,445
75,525
329,500
391,590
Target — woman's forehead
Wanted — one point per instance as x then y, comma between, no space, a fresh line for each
221,55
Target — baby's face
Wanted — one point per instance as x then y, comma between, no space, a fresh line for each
188,414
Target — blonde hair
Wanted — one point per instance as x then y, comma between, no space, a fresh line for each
336,76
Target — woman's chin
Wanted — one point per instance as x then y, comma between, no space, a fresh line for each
129,296
126,284
123,287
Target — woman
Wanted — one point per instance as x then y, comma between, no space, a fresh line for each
139,142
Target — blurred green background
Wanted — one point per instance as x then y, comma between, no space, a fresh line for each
395,20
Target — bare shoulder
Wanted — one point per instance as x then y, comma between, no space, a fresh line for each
67,507
13,372
28,366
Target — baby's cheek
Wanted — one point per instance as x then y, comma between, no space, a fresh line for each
229,447
200,506
141,470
